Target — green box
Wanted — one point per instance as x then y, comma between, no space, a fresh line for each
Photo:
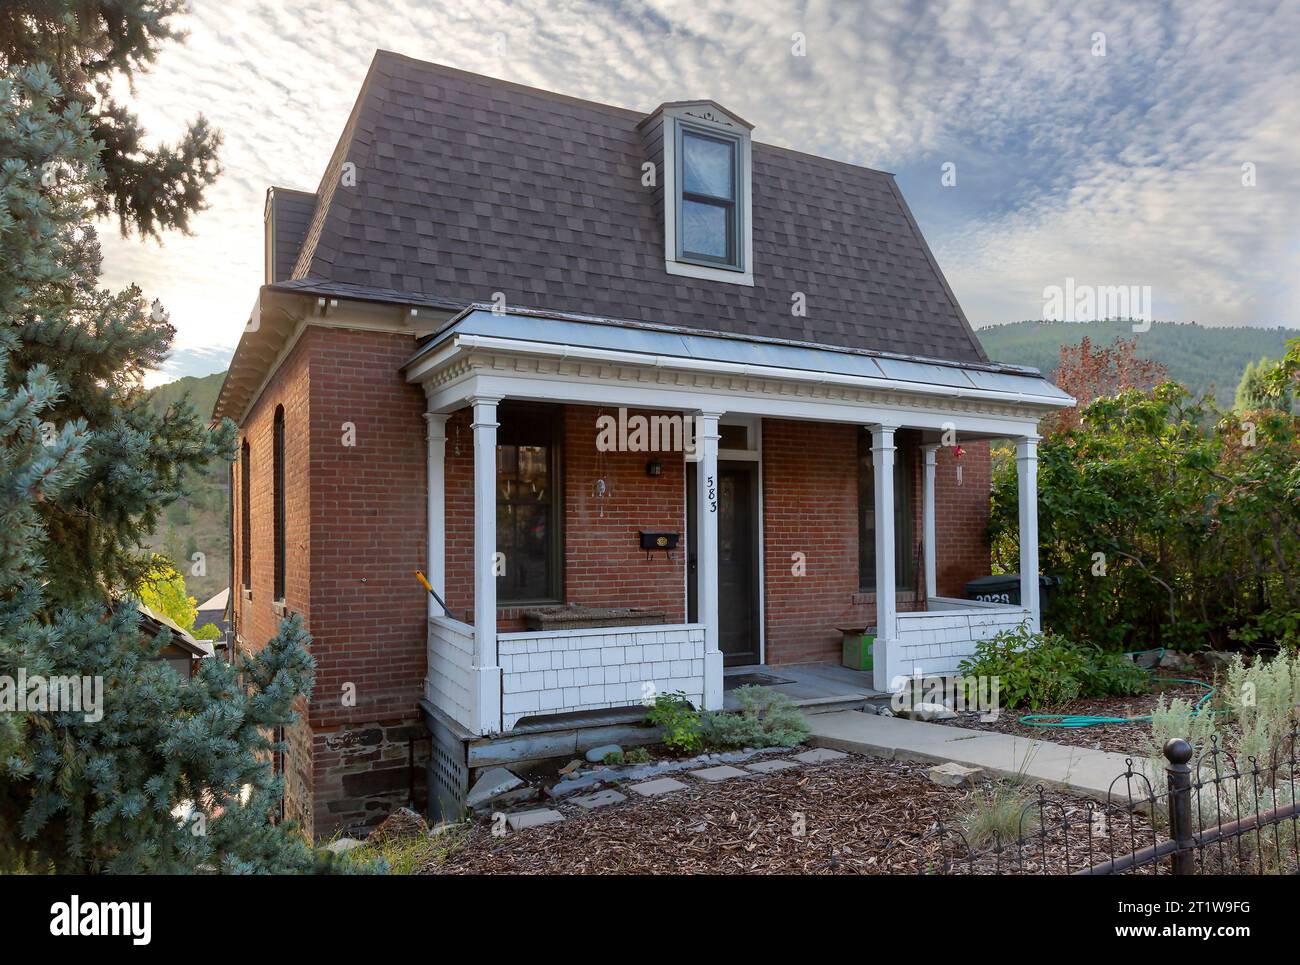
856,654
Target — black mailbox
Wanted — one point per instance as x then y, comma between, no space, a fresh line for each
659,541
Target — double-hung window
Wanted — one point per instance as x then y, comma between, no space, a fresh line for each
709,209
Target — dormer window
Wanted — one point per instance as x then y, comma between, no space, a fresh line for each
707,208
708,222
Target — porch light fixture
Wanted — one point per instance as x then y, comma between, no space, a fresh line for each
654,468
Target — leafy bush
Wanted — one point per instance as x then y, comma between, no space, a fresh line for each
1170,521
680,721
766,719
1041,670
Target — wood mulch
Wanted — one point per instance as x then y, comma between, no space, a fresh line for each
859,815
1132,739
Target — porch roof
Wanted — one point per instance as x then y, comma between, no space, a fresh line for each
755,355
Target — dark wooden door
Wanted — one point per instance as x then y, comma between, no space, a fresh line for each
738,590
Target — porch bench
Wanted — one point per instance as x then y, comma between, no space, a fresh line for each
575,617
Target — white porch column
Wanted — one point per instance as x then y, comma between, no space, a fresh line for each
927,521
487,673
435,557
884,654
706,549
1027,477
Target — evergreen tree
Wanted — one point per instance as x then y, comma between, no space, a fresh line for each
87,44
162,774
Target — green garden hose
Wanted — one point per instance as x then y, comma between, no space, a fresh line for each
1092,720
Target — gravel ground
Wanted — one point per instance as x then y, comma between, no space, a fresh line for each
859,815
1117,738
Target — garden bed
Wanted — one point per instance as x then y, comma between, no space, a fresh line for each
1130,739
860,815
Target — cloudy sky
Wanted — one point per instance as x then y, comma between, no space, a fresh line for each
1149,144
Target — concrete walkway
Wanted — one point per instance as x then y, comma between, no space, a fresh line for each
1078,769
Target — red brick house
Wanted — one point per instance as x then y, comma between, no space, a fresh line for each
706,391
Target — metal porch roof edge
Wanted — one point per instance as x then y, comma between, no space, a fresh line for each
603,334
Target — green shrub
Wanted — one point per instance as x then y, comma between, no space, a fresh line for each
1041,670
680,721
1036,669
766,719
637,755
1110,674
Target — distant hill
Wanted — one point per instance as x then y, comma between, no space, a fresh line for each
201,522
1200,358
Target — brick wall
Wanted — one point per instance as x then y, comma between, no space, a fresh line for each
961,515
368,511
256,620
810,494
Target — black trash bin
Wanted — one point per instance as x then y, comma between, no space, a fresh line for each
1005,588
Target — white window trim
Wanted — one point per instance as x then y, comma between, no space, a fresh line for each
673,119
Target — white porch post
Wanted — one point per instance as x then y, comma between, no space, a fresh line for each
436,549
884,653
927,522
706,549
487,673
1027,477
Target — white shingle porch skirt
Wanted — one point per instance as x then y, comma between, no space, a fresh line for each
934,641
557,671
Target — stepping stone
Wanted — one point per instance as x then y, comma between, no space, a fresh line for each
723,772
599,800
531,819
819,755
663,785
767,767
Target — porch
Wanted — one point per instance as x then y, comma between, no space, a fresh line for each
490,676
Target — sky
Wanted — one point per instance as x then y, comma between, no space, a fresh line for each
1041,145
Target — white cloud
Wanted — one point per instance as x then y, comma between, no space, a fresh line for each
1123,169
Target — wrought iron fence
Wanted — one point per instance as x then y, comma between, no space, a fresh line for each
1208,815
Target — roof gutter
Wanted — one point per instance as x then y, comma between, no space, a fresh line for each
611,356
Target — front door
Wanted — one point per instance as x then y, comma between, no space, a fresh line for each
737,559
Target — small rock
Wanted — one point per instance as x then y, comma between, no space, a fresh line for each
1173,660
953,774
598,754
402,823
496,780
570,767
520,795
1214,659
565,788
343,845
928,711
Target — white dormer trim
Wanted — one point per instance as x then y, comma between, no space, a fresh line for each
709,118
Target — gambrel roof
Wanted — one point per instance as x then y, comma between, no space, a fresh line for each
448,187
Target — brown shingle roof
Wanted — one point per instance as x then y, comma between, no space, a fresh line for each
467,185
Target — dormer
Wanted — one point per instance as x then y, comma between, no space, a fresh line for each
702,152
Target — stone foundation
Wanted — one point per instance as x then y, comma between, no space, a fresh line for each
362,774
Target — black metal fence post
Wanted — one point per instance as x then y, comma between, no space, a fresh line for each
1178,752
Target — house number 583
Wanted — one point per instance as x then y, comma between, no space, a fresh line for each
713,496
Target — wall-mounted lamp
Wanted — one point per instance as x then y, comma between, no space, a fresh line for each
654,468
